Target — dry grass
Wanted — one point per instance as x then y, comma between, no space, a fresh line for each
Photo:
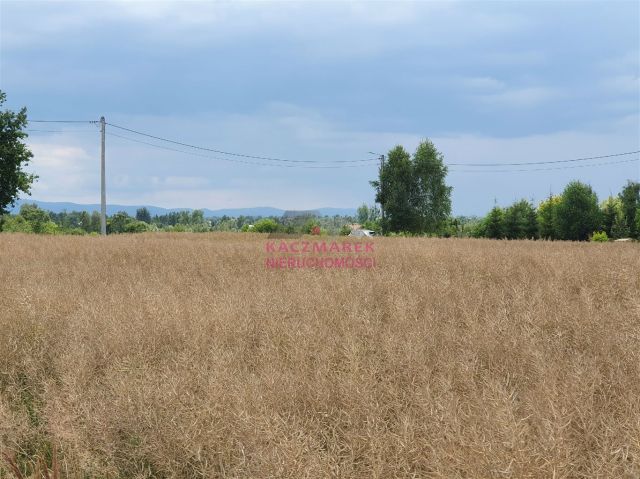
166,355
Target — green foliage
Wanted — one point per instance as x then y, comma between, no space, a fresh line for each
599,237
142,214
578,214
266,225
345,230
548,218
372,225
135,226
118,222
520,221
50,228
31,219
620,228
363,213
412,191
394,191
14,156
638,221
612,213
494,223
16,224
630,199
310,225
432,197
39,219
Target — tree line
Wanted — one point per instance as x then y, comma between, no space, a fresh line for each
33,219
411,191
415,200
573,215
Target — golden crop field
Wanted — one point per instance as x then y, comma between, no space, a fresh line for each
183,356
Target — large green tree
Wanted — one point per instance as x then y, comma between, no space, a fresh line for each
431,195
520,221
630,198
412,191
395,190
14,156
577,213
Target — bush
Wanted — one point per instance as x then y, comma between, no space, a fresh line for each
16,224
599,236
266,225
135,226
345,230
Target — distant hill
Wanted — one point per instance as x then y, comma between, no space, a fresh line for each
58,207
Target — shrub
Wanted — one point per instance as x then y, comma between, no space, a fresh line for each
599,236
266,225
135,226
16,224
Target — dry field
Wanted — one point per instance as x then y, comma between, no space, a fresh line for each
180,355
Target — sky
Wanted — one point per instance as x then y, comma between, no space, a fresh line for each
324,82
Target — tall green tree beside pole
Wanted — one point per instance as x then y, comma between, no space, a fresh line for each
412,191
395,191
14,156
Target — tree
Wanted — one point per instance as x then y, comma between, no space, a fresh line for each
266,225
630,198
494,223
611,209
620,229
412,191
39,219
14,156
95,223
136,226
394,193
578,214
142,214
118,222
374,213
614,222
520,221
197,217
363,213
16,224
548,218
432,197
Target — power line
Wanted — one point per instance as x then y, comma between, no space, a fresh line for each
547,169
233,160
62,121
30,130
242,155
371,160
356,166
545,162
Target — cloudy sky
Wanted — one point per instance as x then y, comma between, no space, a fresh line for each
326,82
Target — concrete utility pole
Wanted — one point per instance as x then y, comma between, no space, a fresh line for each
381,205
103,193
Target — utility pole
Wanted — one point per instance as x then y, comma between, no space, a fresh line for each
381,205
103,193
